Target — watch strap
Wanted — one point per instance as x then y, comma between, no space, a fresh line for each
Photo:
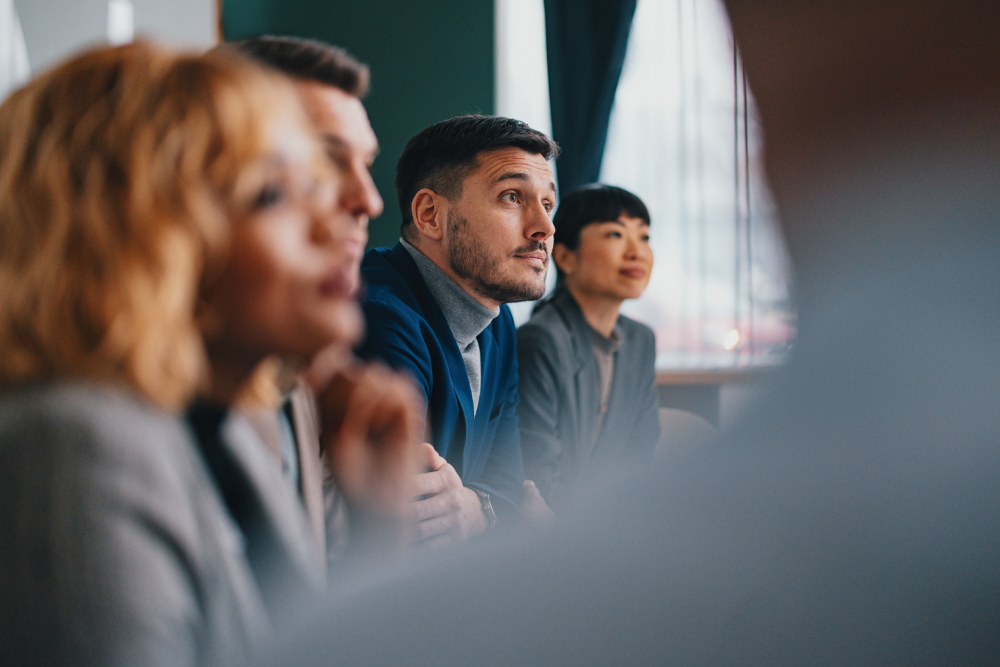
484,500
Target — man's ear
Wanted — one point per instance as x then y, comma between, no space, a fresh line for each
430,213
564,258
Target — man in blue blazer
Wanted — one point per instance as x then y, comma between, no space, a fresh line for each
476,195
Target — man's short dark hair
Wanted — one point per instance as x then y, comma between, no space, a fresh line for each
441,156
308,59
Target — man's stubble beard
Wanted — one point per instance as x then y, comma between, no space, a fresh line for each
472,262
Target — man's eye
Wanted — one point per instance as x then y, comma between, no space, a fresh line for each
269,196
614,235
645,237
510,197
339,160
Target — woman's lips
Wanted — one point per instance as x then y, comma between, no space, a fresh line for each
633,273
341,283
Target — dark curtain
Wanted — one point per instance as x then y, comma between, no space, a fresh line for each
586,41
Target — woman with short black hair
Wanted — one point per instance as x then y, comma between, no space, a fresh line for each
587,391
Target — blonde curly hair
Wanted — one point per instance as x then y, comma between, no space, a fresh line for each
119,171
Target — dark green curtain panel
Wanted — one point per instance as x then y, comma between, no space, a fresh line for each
586,41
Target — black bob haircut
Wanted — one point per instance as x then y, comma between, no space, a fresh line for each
307,59
590,204
442,155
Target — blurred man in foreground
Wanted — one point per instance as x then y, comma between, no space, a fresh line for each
854,518
338,494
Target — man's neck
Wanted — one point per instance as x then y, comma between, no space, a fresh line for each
436,253
466,315
600,312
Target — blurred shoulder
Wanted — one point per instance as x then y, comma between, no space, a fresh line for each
78,430
104,411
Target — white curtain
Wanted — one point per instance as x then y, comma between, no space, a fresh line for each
684,138
14,69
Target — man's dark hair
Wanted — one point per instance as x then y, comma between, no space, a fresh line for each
308,59
590,204
441,156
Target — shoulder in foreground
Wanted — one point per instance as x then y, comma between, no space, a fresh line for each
103,416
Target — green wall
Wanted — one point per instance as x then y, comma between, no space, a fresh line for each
429,59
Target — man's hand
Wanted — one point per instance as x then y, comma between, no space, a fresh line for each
535,512
371,420
448,512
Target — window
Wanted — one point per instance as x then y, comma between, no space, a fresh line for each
685,138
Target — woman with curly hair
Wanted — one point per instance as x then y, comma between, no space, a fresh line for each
144,197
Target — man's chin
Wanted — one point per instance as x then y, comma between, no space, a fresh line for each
527,292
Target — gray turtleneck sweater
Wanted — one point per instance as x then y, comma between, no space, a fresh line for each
466,317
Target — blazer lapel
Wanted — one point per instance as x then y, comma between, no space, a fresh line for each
487,353
586,377
400,258
305,421
278,500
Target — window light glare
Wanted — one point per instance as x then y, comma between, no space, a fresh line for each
731,340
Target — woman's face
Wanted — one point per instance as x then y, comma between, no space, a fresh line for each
289,287
613,259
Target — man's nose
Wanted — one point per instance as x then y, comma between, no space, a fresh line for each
540,225
359,195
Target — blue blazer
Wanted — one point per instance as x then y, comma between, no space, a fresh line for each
408,331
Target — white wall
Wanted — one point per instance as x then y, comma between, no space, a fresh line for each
54,29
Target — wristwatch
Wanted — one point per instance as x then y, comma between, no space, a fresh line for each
484,499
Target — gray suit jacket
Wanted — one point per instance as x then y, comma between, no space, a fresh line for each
295,571
262,464
560,397
115,547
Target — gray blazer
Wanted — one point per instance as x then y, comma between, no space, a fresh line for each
560,397
115,548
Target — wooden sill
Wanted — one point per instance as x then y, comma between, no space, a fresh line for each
716,376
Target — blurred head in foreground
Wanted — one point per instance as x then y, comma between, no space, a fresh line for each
120,173
851,92
331,84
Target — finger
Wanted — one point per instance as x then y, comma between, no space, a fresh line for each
437,542
430,483
437,461
325,365
372,450
442,525
397,408
529,490
374,405
432,507
428,457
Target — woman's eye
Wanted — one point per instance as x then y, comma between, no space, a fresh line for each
269,196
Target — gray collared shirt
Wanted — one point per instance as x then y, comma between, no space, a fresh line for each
604,352
466,317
